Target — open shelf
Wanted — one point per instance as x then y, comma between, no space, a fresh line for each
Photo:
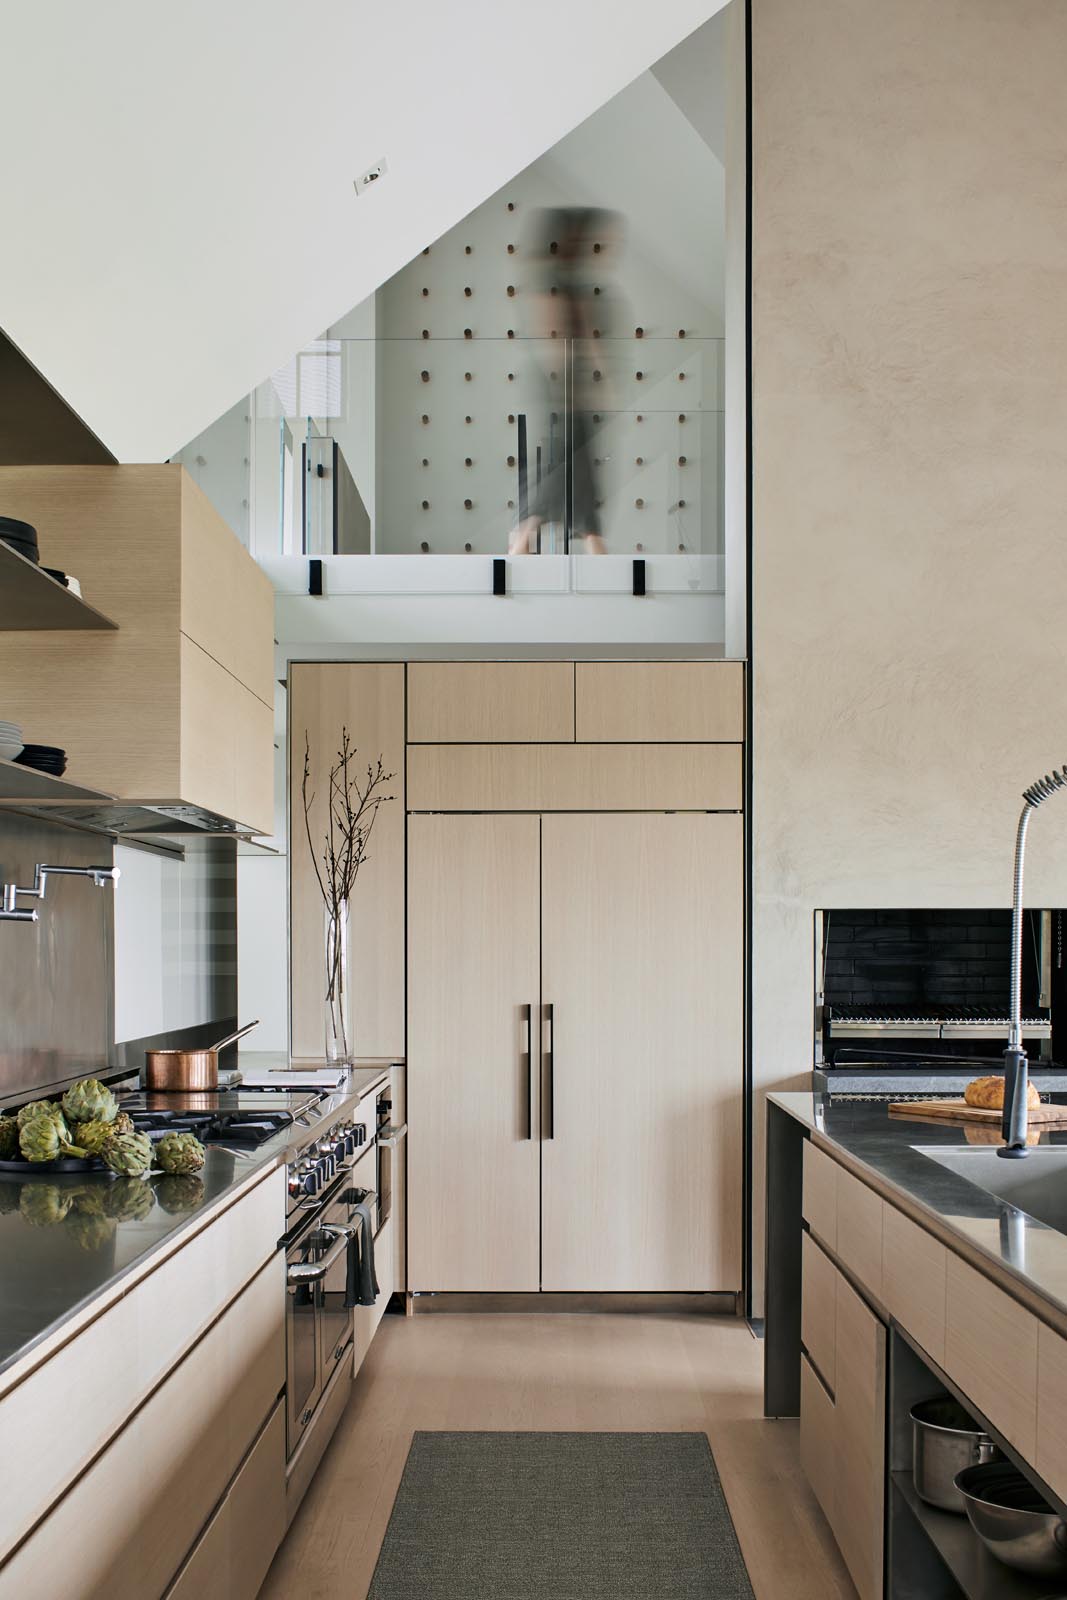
24,786
979,1575
31,600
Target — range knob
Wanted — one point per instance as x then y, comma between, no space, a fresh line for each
360,1133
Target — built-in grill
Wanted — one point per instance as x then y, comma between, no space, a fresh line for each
914,1004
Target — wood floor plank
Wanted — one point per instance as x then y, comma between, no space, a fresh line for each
598,1372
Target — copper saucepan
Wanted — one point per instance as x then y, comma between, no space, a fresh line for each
172,1070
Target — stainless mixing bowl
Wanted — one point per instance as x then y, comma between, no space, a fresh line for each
945,1439
1013,1521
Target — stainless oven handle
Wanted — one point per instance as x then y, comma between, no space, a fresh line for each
370,1196
315,1271
390,1137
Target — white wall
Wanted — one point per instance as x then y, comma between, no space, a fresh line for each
909,583
185,208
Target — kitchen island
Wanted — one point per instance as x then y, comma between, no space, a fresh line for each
897,1269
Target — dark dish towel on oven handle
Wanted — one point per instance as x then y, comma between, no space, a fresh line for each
361,1288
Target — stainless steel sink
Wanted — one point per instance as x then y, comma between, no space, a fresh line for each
1037,1184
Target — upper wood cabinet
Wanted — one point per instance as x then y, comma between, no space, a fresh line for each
575,777
368,700
177,704
493,702
660,702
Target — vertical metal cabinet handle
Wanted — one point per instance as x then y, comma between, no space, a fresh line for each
527,1055
548,1114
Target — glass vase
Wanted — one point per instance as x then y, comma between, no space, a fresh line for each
338,1005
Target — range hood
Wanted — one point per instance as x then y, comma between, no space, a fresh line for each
141,817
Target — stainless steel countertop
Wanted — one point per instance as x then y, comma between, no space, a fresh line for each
52,1270
1029,1257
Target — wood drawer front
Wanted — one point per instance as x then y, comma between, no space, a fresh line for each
859,1231
818,1441
859,1495
677,702
582,777
509,702
115,1361
991,1353
231,1558
820,1195
914,1279
818,1309
125,1527
1051,1458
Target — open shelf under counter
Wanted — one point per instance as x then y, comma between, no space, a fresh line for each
977,1574
31,601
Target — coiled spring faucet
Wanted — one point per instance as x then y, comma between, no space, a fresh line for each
1015,1121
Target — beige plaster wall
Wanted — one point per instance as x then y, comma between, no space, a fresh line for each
910,444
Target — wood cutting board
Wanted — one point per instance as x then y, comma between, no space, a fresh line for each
959,1111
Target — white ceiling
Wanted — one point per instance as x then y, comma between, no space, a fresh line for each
180,217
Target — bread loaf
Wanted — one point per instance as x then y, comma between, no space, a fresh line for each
988,1094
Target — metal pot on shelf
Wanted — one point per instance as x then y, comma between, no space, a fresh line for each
945,1440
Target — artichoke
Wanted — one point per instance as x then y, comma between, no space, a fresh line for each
89,1100
179,1153
39,1108
92,1135
90,1199
179,1193
89,1230
129,1154
44,1204
43,1138
9,1139
129,1199
123,1123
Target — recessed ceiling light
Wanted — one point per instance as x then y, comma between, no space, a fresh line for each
372,176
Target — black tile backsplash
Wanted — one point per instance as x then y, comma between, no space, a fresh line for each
936,958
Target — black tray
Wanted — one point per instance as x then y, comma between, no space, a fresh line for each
29,1169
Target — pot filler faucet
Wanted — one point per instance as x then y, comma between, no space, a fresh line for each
1016,1073
9,910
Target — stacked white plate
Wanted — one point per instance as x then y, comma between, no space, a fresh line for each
10,741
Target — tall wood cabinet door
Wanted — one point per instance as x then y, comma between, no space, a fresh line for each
367,698
642,970
473,988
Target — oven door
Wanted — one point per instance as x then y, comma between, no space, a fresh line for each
303,1294
336,1319
389,1140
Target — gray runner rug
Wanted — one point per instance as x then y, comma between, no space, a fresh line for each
560,1516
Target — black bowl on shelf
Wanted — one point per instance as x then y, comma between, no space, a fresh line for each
21,536
43,758
60,577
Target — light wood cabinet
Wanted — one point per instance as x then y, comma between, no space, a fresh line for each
169,705
471,702
991,1353
683,702
577,777
842,1436
125,1526
474,968
914,1281
819,1200
641,955
368,700
818,1310
1051,1458
859,1231
611,1160
231,1558
121,1356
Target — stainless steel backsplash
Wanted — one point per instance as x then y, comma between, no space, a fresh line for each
56,975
